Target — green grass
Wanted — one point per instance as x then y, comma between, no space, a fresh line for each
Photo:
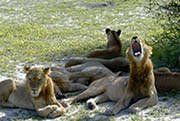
43,32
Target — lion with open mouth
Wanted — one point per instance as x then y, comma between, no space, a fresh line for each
136,91
141,83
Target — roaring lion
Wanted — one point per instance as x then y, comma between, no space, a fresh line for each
36,93
113,47
138,90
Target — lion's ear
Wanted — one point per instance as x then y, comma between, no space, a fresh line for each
26,68
107,30
149,49
118,32
47,70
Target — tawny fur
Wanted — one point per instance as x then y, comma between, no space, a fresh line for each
162,69
38,82
115,64
167,81
118,63
88,72
163,75
113,47
124,89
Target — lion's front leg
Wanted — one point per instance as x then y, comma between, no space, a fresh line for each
50,111
144,103
45,111
57,112
120,105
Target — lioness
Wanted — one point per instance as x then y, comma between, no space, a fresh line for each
113,47
36,93
138,88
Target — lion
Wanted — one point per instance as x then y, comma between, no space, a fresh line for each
167,80
88,72
76,77
115,64
61,79
163,75
137,90
37,92
113,47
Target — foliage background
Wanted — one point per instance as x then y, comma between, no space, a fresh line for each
166,45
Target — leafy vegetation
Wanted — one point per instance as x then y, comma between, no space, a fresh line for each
166,45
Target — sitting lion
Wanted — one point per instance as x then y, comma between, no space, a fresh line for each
113,47
138,89
36,93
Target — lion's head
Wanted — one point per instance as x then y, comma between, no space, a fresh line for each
36,79
138,49
110,33
113,37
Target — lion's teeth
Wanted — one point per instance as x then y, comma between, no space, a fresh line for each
136,53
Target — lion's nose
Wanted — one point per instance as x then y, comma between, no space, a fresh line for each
34,91
135,37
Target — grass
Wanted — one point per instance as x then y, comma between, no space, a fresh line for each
43,32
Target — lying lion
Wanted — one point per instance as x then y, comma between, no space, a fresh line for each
61,78
165,79
36,93
88,72
115,64
113,47
138,89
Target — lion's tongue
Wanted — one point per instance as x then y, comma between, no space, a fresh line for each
136,49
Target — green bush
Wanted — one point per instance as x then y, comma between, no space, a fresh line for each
166,45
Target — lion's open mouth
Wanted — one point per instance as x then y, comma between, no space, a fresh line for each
136,47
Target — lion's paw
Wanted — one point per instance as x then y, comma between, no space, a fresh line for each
108,112
91,104
134,109
53,107
58,112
